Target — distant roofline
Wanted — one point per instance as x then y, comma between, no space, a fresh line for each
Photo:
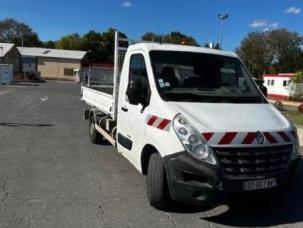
48,53
7,51
279,75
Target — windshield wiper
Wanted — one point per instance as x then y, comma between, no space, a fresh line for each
188,96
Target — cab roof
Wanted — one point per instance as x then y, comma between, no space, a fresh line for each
176,47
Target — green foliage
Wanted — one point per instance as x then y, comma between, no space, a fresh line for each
100,46
272,51
172,37
49,44
296,117
150,36
69,42
298,78
255,52
12,31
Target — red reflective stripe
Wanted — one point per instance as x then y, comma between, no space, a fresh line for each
207,136
284,136
151,120
163,123
270,138
249,138
228,137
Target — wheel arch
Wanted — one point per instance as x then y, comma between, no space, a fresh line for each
92,112
147,151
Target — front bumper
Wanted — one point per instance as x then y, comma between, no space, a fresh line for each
195,182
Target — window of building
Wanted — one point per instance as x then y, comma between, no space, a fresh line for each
272,82
68,72
284,83
268,82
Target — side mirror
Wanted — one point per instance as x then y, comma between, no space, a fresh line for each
263,90
134,91
261,86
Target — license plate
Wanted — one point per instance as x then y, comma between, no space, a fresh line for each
259,184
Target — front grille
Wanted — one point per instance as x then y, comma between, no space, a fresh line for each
254,161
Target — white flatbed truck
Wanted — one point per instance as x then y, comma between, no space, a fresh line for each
195,123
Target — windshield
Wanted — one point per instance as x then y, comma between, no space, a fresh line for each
198,77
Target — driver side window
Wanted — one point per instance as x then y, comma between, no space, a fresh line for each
138,73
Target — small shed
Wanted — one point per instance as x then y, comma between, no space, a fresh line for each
9,54
278,85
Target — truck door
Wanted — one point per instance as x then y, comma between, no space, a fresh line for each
131,118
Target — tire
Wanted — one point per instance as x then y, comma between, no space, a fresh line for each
156,183
94,135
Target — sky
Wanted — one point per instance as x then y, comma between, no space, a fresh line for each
198,18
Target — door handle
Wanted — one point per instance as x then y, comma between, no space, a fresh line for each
124,109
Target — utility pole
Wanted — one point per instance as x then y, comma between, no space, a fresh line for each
221,17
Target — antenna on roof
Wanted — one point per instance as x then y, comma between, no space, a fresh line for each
157,23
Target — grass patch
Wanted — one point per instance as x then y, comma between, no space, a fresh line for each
295,116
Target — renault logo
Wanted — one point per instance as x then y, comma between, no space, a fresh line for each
260,137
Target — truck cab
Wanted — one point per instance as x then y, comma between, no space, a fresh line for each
193,121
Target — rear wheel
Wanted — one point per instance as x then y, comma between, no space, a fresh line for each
94,135
157,188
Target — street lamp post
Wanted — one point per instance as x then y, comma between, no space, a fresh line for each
222,17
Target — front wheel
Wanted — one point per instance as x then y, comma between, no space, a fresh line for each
157,188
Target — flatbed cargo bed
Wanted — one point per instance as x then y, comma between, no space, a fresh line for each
105,89
99,97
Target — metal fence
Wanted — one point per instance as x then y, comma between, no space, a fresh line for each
296,90
97,76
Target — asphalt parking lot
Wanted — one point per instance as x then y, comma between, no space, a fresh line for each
52,176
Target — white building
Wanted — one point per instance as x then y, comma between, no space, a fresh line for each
278,85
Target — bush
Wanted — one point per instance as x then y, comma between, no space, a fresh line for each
298,77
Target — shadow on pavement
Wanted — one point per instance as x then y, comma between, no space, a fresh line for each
289,210
25,125
180,208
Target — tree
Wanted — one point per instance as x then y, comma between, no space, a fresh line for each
100,46
178,38
107,47
172,37
150,36
255,52
298,77
12,31
273,51
69,42
92,42
49,44
286,50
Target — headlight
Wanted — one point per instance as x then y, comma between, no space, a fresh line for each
295,150
192,140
